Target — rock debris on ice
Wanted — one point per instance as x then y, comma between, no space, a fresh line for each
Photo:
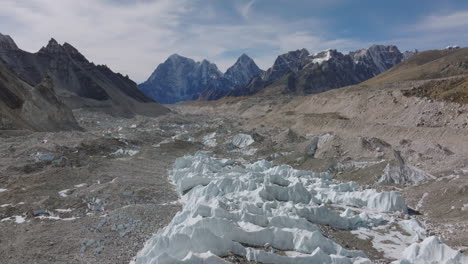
128,152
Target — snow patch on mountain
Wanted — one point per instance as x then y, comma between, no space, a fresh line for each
322,57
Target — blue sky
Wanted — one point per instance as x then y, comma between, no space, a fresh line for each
134,36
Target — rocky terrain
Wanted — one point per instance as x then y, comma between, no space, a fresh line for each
98,196
78,82
377,136
37,108
94,171
182,79
425,65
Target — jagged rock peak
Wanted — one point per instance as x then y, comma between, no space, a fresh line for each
52,47
381,57
244,58
242,71
176,56
7,43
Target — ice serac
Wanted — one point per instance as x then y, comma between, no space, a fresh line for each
182,79
431,250
300,73
262,213
76,81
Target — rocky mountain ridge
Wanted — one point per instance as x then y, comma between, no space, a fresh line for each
182,79
299,72
36,108
76,81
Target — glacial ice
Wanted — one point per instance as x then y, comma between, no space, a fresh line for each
242,140
210,140
431,250
237,210
272,214
404,174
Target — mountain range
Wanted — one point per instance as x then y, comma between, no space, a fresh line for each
76,81
181,79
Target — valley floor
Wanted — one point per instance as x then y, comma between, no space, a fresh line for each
97,196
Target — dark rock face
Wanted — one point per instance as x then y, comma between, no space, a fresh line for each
78,82
182,79
7,43
301,73
37,108
242,71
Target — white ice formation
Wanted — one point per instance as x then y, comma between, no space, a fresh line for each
431,251
263,213
242,140
404,174
273,214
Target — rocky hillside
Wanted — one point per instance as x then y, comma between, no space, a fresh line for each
78,82
182,79
302,73
37,108
451,89
427,65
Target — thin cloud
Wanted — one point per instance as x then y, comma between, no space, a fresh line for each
246,8
452,21
133,37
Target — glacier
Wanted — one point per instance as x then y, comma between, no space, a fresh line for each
265,213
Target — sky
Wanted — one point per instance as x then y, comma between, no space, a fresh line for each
134,36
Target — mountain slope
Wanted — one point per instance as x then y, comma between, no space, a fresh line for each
37,108
77,81
182,79
427,65
300,73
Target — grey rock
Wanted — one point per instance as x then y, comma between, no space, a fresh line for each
45,157
7,43
127,193
312,147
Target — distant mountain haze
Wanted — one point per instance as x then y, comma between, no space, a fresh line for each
299,72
